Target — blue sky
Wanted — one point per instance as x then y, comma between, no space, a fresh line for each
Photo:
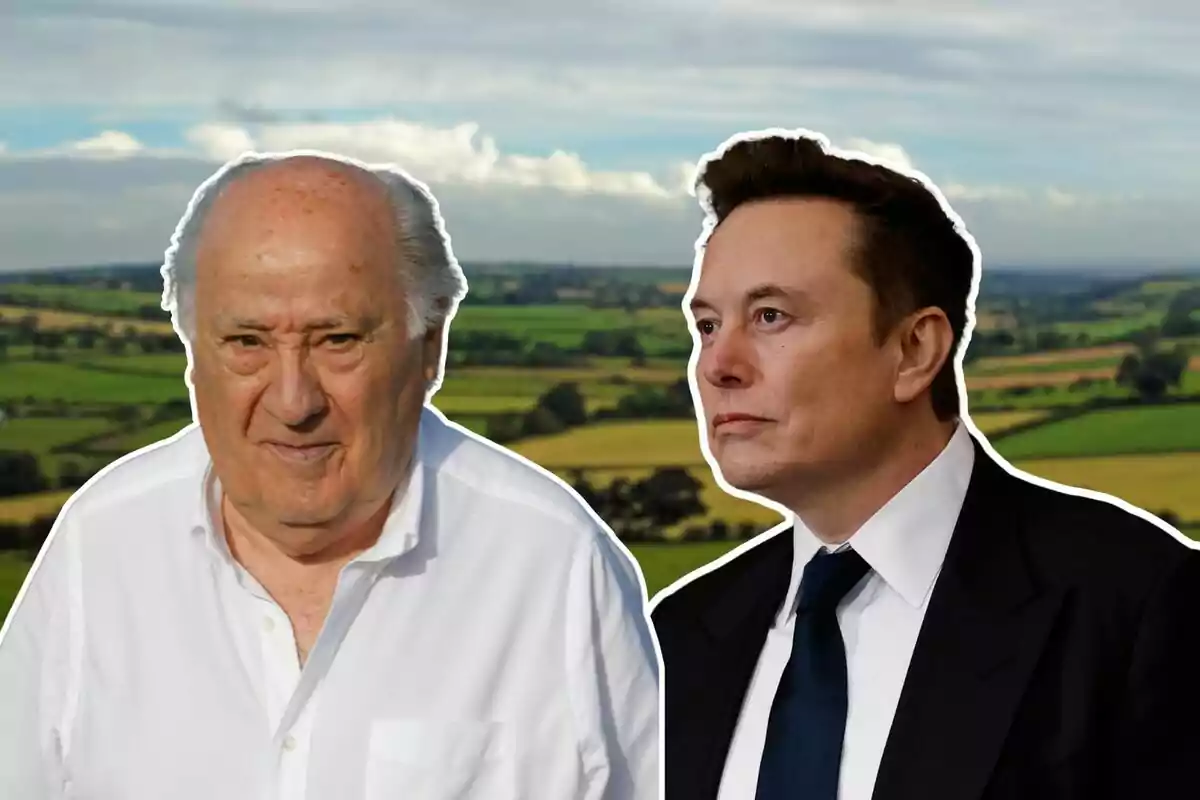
1064,134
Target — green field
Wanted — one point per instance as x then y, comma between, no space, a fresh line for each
13,570
40,435
1155,429
122,443
47,380
664,564
564,324
86,299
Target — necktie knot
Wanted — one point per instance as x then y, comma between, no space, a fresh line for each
827,579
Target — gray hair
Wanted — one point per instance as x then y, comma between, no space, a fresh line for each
433,278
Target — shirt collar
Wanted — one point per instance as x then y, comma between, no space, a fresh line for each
905,541
401,528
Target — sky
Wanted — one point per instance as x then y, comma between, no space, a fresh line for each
1064,134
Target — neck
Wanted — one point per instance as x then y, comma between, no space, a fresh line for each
836,510
252,542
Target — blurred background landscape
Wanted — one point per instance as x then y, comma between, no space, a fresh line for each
1089,379
560,135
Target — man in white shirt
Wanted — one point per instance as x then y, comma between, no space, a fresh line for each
324,590
930,624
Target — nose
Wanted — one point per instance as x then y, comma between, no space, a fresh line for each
728,361
295,395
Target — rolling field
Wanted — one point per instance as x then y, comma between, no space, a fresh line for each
667,442
28,507
1163,481
84,299
617,444
565,325
664,564
1156,429
47,380
40,435
51,320
13,570
120,444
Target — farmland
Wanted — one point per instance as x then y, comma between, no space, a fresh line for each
1042,389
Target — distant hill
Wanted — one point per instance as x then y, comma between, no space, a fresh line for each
997,281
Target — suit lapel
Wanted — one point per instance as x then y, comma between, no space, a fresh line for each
734,632
985,627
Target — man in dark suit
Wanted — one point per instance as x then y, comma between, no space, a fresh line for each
930,625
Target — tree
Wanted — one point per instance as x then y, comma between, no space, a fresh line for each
503,428
565,402
541,421
1151,372
20,473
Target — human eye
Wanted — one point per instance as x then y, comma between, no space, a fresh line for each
243,341
706,326
770,316
341,341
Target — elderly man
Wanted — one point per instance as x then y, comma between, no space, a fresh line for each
324,590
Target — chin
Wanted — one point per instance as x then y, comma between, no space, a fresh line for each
299,510
755,477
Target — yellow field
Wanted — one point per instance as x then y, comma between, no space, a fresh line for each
1166,481
1113,351
993,320
598,370
28,507
996,421
667,442
50,319
649,444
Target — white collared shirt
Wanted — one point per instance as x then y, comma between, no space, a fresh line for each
493,644
904,543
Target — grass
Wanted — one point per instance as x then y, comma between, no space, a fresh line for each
50,319
40,435
1157,482
996,367
48,380
25,508
84,299
121,444
645,444
991,422
13,570
653,443
565,324
1153,429
1047,395
662,564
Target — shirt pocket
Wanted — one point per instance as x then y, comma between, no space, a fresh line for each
428,759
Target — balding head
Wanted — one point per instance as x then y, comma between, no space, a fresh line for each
314,302
422,252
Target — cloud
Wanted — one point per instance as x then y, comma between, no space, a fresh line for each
457,154
219,142
888,153
107,144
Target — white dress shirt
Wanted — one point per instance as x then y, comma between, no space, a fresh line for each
904,543
493,644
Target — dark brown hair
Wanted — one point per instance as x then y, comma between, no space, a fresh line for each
909,251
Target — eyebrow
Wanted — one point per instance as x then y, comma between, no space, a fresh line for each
759,292
323,324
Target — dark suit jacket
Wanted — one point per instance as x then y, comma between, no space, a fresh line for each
1059,657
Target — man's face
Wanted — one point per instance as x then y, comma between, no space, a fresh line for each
308,388
786,338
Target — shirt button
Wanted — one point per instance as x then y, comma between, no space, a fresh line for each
268,624
289,744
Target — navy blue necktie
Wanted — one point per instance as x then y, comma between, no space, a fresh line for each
803,750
